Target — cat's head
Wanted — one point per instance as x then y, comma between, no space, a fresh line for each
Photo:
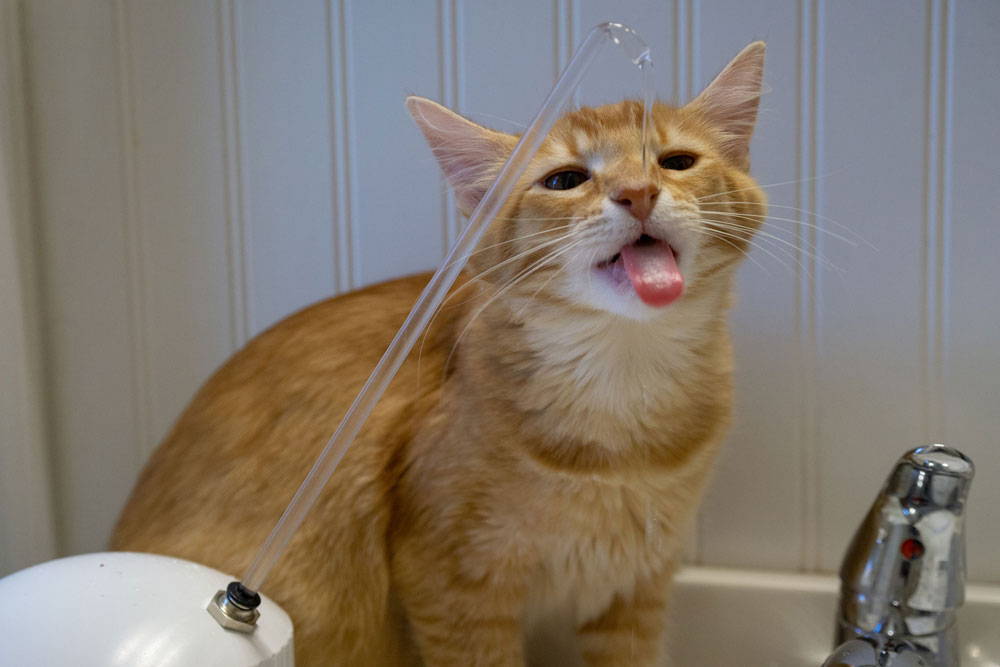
588,226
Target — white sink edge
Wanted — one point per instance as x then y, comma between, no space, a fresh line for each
771,618
701,575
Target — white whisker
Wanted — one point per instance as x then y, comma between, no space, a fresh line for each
764,186
809,251
520,238
521,219
540,288
476,278
513,258
748,216
533,268
755,233
743,252
719,233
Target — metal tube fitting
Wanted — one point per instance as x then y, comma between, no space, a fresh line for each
235,608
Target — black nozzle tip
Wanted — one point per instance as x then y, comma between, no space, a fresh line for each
241,596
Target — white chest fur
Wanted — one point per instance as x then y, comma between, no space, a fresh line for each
606,380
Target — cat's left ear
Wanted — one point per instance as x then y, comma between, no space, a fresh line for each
730,101
470,155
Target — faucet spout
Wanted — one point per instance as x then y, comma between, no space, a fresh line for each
903,577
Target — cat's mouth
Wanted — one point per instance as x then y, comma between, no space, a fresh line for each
647,267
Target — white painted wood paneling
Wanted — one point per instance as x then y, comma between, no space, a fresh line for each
175,77
92,364
870,322
970,273
27,529
527,73
396,203
282,154
202,169
767,526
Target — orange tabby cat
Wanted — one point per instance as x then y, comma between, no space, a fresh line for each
547,456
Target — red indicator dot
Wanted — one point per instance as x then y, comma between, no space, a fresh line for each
911,549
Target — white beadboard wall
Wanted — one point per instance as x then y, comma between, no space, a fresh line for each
202,169
27,525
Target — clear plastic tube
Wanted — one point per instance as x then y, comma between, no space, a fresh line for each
645,64
436,290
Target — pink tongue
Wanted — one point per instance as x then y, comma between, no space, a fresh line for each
652,269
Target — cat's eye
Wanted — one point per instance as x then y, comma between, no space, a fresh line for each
566,179
678,161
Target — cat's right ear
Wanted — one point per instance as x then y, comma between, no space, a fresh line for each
730,101
470,155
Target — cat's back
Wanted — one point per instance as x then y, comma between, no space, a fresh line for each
220,479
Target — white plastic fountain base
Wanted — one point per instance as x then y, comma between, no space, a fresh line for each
129,609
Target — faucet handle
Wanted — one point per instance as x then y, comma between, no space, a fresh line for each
910,549
903,575
941,458
930,478
932,484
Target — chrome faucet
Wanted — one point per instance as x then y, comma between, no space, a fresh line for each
903,577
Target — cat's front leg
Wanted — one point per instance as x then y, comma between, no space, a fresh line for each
456,621
630,632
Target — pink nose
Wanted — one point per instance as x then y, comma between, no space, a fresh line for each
638,200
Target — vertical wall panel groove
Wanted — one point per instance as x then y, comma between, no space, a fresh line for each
559,37
445,30
809,242
135,260
568,17
936,223
945,179
348,253
337,251
573,22
21,192
566,30
237,231
687,63
19,180
450,87
28,529
351,144
970,273
238,239
927,314
686,73
680,50
458,88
